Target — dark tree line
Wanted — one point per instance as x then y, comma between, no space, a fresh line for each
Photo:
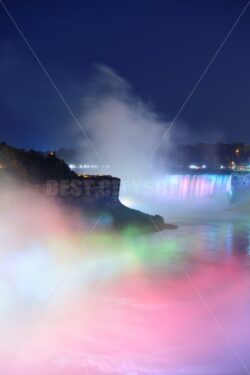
212,155
33,166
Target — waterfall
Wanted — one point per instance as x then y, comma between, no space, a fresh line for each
173,193
194,186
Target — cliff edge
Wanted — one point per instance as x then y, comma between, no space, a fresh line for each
95,195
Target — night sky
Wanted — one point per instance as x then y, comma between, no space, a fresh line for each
160,47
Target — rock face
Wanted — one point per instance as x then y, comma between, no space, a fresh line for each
95,195
53,177
99,196
88,191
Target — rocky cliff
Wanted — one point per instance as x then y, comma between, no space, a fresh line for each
95,195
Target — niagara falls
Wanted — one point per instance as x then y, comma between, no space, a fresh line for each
124,187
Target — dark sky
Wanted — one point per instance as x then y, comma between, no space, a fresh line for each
160,47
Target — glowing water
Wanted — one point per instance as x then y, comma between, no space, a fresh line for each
166,194
79,302
169,304
194,186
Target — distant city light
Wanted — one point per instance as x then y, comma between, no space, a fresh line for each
87,166
99,168
192,166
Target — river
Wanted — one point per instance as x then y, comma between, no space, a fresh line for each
173,302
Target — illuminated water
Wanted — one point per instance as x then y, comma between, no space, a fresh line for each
195,186
175,302
178,193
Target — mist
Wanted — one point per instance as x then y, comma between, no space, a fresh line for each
124,130
113,304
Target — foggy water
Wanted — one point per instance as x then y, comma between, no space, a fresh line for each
174,302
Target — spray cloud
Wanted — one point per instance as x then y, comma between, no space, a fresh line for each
123,128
